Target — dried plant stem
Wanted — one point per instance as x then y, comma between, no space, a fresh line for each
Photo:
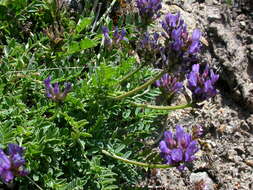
145,85
106,13
141,164
98,12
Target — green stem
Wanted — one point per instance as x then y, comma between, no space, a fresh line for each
141,164
162,107
145,85
131,73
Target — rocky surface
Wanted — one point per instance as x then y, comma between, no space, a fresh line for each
229,34
225,161
226,157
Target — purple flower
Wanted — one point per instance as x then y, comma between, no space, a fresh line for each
149,9
202,84
175,31
169,84
150,44
179,148
178,37
53,91
12,164
117,36
195,42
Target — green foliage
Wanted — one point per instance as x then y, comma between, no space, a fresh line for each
64,140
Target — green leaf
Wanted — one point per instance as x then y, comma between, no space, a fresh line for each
6,133
83,23
87,43
82,45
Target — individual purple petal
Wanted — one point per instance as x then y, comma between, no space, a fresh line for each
4,161
48,94
168,137
105,30
163,147
179,131
190,151
169,160
195,45
177,155
183,139
195,68
56,89
156,36
107,39
17,160
213,76
192,79
15,149
178,86
7,176
47,82
158,83
196,34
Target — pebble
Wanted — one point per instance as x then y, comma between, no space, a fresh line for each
213,13
196,177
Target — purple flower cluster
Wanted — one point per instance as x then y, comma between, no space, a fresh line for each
169,84
179,148
177,35
150,43
149,9
202,84
12,164
117,36
53,91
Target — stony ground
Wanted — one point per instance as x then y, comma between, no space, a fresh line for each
226,157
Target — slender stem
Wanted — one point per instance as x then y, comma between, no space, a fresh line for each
145,85
131,73
141,164
162,107
34,183
95,21
106,13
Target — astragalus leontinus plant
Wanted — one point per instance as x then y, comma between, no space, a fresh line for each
85,88
177,56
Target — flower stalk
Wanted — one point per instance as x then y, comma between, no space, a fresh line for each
141,164
129,75
145,85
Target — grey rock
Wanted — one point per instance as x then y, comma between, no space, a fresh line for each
213,13
196,177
